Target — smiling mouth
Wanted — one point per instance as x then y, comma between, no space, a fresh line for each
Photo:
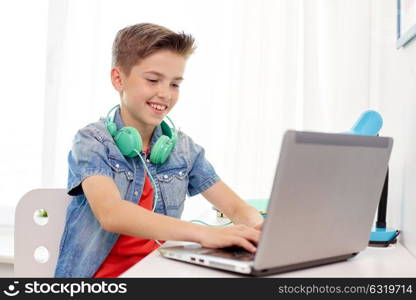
157,107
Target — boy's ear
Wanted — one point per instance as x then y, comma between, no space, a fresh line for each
116,79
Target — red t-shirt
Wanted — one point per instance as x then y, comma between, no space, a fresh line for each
129,250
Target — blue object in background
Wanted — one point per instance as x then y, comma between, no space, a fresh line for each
369,123
383,235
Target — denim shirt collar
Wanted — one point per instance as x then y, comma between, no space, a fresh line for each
120,124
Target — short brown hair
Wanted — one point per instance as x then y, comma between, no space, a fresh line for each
134,43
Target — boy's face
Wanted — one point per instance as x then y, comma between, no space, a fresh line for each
152,88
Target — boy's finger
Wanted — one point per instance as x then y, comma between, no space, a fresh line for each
259,226
246,245
253,235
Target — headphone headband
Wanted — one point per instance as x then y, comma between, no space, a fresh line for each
108,114
165,128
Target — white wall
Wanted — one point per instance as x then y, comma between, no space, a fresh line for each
393,91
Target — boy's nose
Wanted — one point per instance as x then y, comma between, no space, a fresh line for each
163,92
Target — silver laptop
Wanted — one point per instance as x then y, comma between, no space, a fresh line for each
321,209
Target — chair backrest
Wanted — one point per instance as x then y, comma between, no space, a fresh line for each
29,235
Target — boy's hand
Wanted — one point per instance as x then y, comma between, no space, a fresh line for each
236,235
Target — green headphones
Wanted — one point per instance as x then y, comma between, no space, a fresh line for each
129,141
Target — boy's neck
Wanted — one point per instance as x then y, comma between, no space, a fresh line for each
146,132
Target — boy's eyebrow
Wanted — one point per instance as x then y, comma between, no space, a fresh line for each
161,75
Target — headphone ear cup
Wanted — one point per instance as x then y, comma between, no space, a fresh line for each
128,140
161,150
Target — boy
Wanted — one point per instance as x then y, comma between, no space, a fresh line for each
110,224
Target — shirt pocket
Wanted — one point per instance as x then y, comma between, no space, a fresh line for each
173,183
122,175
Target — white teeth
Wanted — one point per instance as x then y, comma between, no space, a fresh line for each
158,107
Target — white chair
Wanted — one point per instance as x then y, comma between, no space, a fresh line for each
29,235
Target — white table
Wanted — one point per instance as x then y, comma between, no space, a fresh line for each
393,261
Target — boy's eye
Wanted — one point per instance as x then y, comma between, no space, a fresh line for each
152,80
175,85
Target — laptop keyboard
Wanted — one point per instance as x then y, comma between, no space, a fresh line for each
232,252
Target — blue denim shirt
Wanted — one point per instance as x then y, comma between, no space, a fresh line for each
84,243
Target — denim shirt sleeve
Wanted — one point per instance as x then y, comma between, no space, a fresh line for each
202,174
87,157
